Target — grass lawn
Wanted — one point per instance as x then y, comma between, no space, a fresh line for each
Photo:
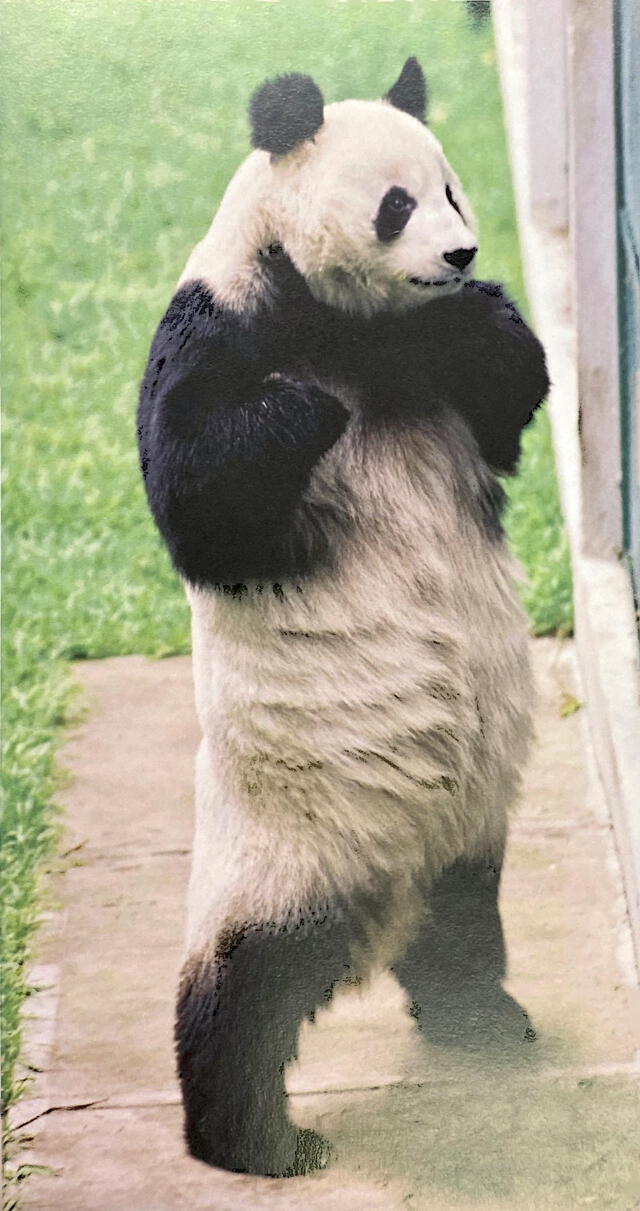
124,119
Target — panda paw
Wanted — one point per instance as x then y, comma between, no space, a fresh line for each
495,1023
288,1152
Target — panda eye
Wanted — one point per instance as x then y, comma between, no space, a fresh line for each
452,202
394,213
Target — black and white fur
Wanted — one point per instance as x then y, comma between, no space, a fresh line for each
327,402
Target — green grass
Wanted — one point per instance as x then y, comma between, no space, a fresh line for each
124,120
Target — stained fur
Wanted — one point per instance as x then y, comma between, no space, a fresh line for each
353,726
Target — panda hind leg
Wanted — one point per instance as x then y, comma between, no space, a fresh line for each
238,1015
454,967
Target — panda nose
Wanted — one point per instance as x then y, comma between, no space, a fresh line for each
460,258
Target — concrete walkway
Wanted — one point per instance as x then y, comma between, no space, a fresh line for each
411,1127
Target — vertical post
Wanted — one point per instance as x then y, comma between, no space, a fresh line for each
547,112
593,228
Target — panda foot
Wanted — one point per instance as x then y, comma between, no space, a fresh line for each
496,1023
293,1154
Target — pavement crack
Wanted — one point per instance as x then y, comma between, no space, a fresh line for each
52,1109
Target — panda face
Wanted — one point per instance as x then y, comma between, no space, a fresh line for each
370,211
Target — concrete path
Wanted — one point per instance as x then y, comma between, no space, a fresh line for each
412,1128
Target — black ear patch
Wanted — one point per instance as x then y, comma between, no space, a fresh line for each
410,91
284,112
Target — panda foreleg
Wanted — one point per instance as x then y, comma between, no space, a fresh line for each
476,352
238,1015
454,967
228,443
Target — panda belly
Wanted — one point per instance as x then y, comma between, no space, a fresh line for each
365,727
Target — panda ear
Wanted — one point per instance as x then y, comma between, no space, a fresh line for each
410,91
284,112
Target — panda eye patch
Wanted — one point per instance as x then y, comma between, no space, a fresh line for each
394,213
452,202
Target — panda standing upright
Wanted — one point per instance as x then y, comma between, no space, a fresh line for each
327,402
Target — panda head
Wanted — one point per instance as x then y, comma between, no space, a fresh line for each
361,196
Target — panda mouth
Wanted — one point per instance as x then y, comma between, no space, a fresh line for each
449,281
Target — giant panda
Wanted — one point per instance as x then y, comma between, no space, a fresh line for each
328,402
